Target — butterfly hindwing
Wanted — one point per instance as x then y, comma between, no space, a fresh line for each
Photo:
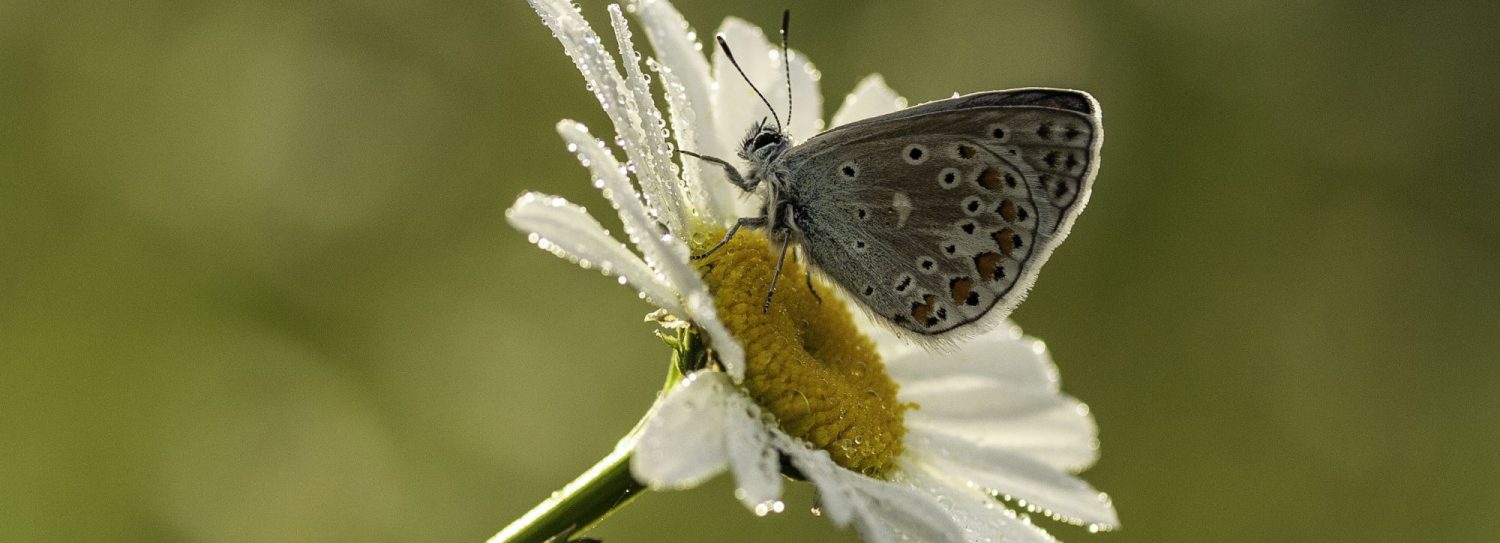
936,220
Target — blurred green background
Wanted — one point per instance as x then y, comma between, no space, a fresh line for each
255,283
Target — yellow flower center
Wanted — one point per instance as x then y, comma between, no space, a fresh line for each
806,362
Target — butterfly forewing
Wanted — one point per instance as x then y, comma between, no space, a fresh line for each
941,219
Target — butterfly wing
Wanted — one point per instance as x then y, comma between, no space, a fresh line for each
940,216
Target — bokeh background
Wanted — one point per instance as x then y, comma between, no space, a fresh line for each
255,283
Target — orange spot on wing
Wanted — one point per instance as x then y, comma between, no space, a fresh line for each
960,289
921,312
1008,211
1005,238
987,263
989,179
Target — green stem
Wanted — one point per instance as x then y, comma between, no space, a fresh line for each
582,503
605,487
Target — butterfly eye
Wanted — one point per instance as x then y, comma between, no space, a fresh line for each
766,138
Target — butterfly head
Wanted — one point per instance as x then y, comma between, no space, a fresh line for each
764,143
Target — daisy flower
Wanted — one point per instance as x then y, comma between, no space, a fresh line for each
901,444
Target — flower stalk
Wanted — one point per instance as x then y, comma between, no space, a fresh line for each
581,504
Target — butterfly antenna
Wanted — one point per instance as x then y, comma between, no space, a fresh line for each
786,60
725,46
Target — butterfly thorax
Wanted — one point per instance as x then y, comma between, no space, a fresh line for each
764,147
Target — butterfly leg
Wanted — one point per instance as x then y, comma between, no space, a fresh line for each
734,175
807,273
786,243
753,222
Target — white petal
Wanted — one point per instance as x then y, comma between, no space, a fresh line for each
701,306
618,98
655,171
1002,355
807,98
660,249
711,196
756,466
881,511
1058,494
684,73
1047,427
871,98
568,231
897,512
683,443
736,107
982,518
664,252
677,47
836,498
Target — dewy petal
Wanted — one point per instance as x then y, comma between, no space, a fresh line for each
835,496
1003,354
731,354
683,443
896,512
1060,495
655,170
871,98
736,107
807,99
998,391
982,518
756,466
661,250
689,96
1047,427
616,97
677,48
568,231
881,511
712,194
664,252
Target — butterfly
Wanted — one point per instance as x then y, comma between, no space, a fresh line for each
936,218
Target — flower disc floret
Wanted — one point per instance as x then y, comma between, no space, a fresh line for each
806,361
